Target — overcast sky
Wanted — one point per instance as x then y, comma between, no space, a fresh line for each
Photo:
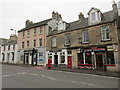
14,13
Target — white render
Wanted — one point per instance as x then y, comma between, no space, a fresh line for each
9,52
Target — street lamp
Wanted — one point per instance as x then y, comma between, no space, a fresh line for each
13,30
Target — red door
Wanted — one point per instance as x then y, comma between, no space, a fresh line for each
69,61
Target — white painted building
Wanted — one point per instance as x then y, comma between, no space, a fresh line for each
9,52
119,8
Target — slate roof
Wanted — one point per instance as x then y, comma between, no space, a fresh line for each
13,42
44,22
107,17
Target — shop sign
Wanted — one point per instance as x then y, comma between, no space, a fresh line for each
94,49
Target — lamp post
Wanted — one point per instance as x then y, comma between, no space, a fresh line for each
13,30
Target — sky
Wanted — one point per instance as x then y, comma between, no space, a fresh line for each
14,13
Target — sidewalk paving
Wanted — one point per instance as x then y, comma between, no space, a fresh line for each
96,72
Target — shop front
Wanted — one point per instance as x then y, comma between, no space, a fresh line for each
95,58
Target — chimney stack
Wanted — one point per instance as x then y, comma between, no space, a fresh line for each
114,6
81,16
28,22
56,15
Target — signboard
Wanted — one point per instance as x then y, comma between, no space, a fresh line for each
94,49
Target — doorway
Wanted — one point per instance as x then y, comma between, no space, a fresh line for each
99,61
69,61
56,60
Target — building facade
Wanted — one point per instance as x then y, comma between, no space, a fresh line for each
32,40
89,43
9,51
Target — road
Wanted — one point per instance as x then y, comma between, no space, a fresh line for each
28,77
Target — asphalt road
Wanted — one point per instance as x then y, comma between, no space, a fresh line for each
28,77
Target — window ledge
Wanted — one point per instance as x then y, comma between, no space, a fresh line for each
67,44
105,40
85,42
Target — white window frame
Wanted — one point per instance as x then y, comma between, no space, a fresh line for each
104,38
54,41
84,40
67,39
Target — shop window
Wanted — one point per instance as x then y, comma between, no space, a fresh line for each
12,56
40,56
3,55
62,59
110,58
88,59
80,58
9,47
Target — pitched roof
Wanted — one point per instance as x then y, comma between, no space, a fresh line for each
44,22
13,42
107,17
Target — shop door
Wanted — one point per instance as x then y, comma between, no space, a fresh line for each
56,60
69,61
99,61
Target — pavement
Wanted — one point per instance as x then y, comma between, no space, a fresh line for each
96,72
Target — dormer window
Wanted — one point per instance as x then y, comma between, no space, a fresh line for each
94,16
61,25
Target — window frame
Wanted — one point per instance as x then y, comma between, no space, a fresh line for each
23,44
105,32
28,44
85,36
35,31
34,43
40,42
55,40
67,40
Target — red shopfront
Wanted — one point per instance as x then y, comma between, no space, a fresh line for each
92,58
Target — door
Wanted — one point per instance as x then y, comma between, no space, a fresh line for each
99,61
69,61
56,60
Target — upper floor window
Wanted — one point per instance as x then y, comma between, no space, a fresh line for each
34,43
93,16
23,33
22,44
28,32
67,39
40,42
105,33
9,47
27,43
53,41
49,30
85,36
4,48
34,31
41,30
13,47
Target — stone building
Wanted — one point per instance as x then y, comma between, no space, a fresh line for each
32,40
89,43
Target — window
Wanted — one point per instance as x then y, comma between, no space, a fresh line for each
50,29
23,33
41,30
12,56
93,16
40,41
85,37
88,59
105,32
9,47
34,31
13,47
62,59
67,39
54,42
34,42
27,43
22,44
110,58
4,48
28,32
40,56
